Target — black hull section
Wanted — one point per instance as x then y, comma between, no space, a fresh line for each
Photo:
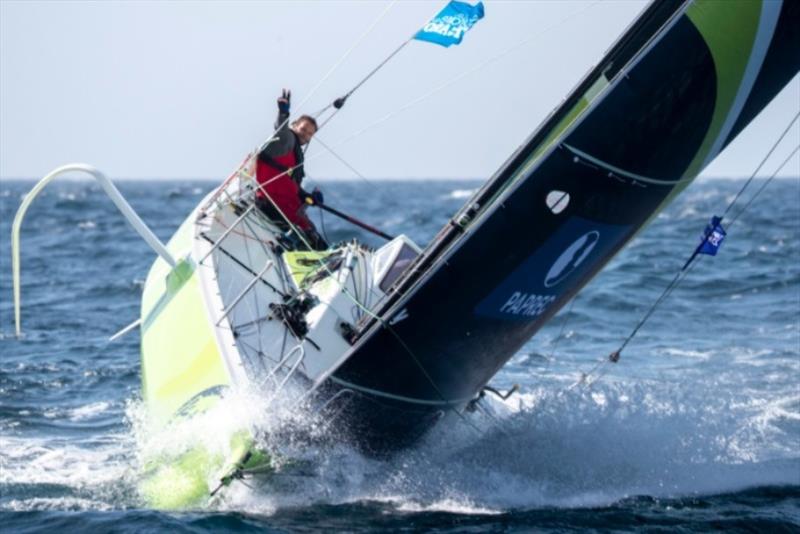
375,424
512,258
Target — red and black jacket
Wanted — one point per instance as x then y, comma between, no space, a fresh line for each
279,173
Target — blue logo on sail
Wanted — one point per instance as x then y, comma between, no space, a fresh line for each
449,26
579,247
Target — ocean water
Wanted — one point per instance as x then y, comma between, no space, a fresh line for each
697,427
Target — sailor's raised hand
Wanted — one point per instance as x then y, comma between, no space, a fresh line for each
285,101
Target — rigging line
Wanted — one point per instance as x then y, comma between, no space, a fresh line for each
327,120
764,185
373,71
254,355
240,234
435,90
254,294
322,122
261,364
301,236
763,161
742,189
674,282
243,266
332,70
339,102
466,73
345,163
680,275
369,30
561,331
267,254
429,378
236,173
410,104
408,350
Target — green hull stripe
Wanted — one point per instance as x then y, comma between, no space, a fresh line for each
175,280
180,357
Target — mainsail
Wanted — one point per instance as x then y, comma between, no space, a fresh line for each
673,91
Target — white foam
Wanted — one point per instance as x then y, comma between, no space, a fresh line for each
554,446
68,463
686,353
583,448
88,411
549,446
455,505
71,504
460,193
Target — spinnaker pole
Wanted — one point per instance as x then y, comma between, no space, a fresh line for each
355,221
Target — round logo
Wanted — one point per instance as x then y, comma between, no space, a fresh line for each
571,258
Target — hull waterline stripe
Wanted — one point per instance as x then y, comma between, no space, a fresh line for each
409,400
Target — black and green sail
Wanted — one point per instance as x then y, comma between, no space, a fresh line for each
672,92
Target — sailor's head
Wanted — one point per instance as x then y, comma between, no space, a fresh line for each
304,128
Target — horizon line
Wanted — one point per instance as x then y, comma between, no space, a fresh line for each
79,177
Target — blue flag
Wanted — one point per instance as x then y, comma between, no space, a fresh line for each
449,26
712,237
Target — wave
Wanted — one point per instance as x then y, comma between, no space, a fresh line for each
460,194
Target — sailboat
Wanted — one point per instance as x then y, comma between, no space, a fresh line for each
383,343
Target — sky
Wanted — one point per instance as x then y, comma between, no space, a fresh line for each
160,89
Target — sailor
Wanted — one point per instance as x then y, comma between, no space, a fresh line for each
280,173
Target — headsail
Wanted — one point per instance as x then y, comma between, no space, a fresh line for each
681,82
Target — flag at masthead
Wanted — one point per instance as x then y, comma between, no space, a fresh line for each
449,26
